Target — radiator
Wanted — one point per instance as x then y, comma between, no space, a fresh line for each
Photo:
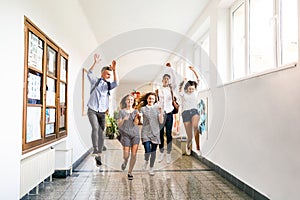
35,169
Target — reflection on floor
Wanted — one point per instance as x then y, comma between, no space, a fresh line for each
184,178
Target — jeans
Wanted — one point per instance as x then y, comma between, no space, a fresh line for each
97,121
168,124
150,149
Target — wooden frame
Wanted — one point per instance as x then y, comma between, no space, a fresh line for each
84,91
45,86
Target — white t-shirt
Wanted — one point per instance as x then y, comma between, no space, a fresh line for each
165,99
189,101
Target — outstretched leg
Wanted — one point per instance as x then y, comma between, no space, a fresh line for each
195,121
134,149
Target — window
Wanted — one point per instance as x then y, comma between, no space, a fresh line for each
289,32
264,35
204,62
45,90
238,41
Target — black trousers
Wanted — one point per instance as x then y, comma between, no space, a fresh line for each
167,125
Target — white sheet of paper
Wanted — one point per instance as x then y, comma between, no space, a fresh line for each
33,129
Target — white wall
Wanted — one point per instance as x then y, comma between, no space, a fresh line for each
259,139
259,142
64,23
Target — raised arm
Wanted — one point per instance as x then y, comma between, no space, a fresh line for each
182,84
113,67
195,72
171,71
96,61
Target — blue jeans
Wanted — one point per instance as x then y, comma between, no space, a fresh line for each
150,149
97,121
168,123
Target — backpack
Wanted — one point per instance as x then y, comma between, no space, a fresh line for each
97,83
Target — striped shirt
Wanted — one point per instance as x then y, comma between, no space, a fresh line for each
128,127
150,129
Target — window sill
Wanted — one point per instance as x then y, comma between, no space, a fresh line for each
270,71
30,153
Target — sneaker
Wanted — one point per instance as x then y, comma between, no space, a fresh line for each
161,157
101,168
145,165
168,158
98,161
104,148
199,153
130,177
151,171
123,166
188,150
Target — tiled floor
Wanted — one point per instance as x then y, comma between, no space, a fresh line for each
184,178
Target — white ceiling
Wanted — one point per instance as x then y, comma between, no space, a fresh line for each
109,19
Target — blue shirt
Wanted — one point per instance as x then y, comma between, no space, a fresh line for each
99,98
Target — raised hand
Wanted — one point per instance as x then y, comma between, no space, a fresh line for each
113,65
97,58
195,72
191,68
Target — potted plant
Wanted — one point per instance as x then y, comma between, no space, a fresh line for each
111,127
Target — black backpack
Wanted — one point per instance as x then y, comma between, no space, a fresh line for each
97,83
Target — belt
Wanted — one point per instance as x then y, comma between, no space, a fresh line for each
97,111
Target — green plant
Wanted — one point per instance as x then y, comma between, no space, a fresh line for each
111,127
116,113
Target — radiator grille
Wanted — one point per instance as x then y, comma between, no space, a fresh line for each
35,169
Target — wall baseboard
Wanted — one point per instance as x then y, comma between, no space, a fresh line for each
233,180
65,173
251,192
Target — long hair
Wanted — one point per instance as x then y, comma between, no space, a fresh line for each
123,101
142,101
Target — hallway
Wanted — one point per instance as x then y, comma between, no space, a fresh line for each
184,178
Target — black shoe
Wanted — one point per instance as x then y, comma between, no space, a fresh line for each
104,148
98,161
130,177
123,166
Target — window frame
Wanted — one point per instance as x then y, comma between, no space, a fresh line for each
277,40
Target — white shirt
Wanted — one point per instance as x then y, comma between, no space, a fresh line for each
165,99
189,101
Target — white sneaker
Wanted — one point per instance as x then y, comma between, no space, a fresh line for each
151,171
161,157
188,150
145,165
168,158
199,153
